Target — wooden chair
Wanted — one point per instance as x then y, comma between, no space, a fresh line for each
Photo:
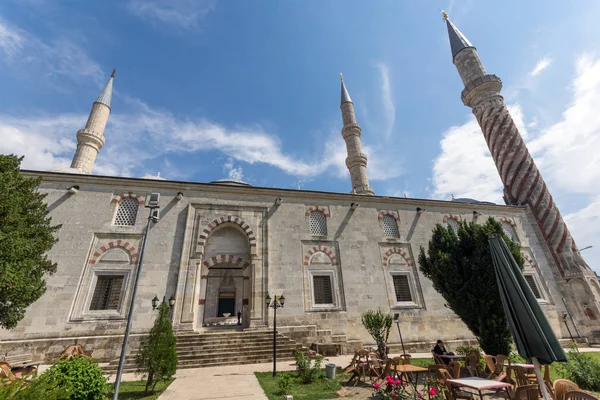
375,366
526,392
579,395
562,387
437,359
73,350
6,373
443,375
358,366
472,364
496,367
454,368
521,378
490,363
406,358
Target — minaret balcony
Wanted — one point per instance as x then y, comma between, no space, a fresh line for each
89,137
486,82
356,159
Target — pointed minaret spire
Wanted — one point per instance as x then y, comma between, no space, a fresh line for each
458,41
91,138
356,160
106,94
345,94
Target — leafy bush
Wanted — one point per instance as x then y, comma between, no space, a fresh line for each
81,377
378,325
514,357
465,350
27,388
581,369
284,383
308,369
157,358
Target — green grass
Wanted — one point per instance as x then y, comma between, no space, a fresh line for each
135,390
318,390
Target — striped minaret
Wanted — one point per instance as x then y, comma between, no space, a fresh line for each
523,183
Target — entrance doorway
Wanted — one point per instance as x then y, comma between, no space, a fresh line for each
226,304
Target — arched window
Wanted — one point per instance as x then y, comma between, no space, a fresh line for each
452,223
317,223
509,230
126,212
390,226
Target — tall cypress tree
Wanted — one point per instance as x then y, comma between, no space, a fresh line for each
157,357
461,269
26,235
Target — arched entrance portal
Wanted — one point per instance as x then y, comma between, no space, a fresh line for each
227,289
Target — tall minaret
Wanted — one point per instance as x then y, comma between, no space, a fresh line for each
356,160
91,138
523,183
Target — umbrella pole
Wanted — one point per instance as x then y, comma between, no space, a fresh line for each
538,372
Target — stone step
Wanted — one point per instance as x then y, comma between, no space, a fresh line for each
201,351
241,344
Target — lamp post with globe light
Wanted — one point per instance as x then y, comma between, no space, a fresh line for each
278,302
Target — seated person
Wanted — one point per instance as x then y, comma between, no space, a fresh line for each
440,349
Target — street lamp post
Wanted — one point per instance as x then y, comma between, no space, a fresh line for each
397,321
152,204
277,303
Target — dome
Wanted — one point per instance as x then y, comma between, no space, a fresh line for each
231,182
471,201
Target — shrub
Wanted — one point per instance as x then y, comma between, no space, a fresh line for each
308,369
284,383
581,369
378,325
157,358
465,350
28,388
81,377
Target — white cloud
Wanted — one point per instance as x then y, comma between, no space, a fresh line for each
232,171
182,14
465,167
11,40
49,141
541,66
585,227
386,98
54,56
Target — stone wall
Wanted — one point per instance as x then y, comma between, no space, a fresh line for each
282,258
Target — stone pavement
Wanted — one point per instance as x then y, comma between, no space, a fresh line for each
235,381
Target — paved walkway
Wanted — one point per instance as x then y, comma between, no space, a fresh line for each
235,381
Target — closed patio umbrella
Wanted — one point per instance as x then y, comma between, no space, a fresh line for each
531,331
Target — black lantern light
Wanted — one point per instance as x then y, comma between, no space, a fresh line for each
268,300
282,300
155,301
172,301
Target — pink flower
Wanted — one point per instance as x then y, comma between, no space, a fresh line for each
419,395
389,380
433,391
398,382
376,386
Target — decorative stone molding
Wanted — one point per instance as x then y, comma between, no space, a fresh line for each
328,251
310,209
226,259
529,259
509,221
382,213
122,196
121,244
227,220
450,216
399,251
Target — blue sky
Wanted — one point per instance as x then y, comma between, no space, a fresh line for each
250,89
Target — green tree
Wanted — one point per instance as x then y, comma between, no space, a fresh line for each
378,325
461,269
26,235
157,357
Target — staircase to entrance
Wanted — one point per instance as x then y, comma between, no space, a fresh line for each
195,350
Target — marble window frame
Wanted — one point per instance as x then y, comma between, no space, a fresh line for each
335,306
412,285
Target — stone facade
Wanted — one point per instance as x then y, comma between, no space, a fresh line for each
222,242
